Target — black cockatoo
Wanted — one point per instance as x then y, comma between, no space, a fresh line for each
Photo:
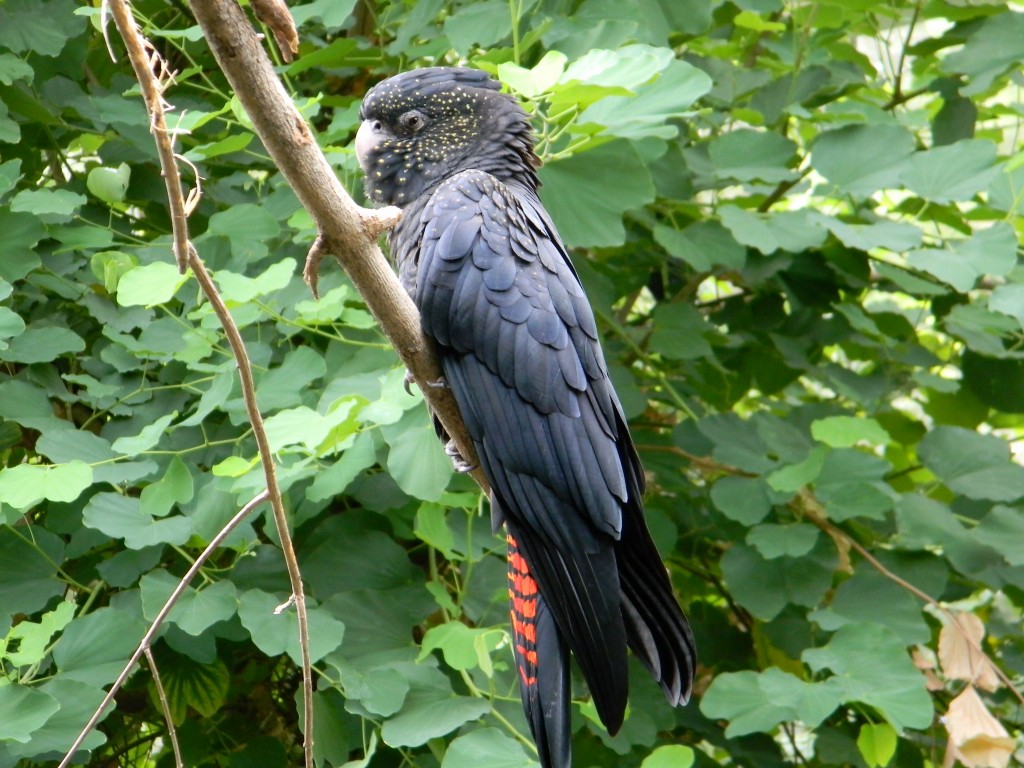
519,348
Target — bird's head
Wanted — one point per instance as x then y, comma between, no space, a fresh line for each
421,127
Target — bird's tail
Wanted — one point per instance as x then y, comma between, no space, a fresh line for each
656,629
542,658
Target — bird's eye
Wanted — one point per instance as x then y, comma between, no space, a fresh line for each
413,120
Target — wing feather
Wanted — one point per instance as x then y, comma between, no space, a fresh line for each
519,348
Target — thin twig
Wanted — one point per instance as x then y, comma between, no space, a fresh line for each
166,707
812,510
154,102
158,620
152,93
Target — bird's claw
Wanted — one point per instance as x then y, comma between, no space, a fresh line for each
409,380
462,466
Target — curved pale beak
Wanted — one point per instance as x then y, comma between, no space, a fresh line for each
370,134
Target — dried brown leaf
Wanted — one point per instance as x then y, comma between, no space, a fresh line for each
980,739
960,655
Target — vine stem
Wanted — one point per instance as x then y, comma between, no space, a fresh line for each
158,621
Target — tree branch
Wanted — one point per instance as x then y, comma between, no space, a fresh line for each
347,231
158,620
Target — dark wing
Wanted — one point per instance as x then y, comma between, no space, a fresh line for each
520,351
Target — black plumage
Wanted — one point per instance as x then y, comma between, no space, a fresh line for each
519,348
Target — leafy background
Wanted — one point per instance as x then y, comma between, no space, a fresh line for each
799,227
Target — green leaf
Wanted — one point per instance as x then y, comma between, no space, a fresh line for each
77,701
29,559
248,228
743,499
628,67
877,744
649,112
679,332
765,587
31,26
862,159
991,251
955,172
283,386
1008,299
41,345
34,637
110,267
846,431
234,466
188,683
702,245
416,460
19,234
276,633
347,557
380,690
852,484
25,710
755,702
175,487
533,82
858,599
109,184
977,466
241,289
669,756
575,196
51,205
748,155
783,540
480,23
898,236
122,517
149,285
25,485
94,648
792,231
1003,530
12,68
750,20
994,45
146,439
490,747
792,477
872,666
428,714
463,647
432,527
997,382
11,323
196,609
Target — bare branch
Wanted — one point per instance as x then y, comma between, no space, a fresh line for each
158,620
166,707
274,13
344,226
152,94
149,70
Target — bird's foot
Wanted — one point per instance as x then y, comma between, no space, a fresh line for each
461,465
409,380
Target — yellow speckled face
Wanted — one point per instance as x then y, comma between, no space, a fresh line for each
423,125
